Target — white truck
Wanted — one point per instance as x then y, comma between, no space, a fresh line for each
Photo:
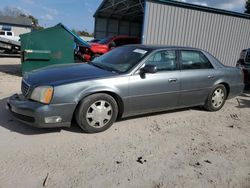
9,35
9,43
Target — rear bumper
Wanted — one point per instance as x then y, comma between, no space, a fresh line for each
34,113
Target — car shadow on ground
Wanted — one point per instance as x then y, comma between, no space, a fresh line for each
197,108
14,69
9,122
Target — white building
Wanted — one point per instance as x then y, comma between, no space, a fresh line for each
19,25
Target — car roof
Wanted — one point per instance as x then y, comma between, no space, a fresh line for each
158,47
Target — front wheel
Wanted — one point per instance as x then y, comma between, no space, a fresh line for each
216,98
96,113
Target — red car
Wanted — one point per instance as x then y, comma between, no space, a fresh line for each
107,44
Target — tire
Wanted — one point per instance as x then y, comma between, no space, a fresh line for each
96,113
216,98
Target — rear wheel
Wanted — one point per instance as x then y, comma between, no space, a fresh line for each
96,113
216,98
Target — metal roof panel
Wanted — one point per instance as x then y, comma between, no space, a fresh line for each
21,21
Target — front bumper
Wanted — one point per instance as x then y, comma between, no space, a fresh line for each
34,113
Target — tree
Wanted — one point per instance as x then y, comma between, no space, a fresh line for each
11,11
35,24
247,7
74,31
15,12
82,33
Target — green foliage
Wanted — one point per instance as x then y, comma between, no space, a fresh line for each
35,24
83,33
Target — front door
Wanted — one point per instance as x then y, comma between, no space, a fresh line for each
158,91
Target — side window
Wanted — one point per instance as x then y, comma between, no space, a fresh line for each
194,60
164,60
9,33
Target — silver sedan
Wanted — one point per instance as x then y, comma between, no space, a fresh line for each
127,81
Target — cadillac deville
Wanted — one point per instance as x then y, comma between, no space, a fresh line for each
127,81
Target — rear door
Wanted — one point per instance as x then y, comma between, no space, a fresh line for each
197,77
158,91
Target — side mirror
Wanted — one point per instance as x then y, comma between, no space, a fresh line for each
148,69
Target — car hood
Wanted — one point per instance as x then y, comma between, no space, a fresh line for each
66,73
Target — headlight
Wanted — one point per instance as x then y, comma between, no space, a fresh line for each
42,94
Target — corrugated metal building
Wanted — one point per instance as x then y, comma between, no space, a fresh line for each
222,33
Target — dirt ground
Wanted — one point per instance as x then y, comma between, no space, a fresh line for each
184,148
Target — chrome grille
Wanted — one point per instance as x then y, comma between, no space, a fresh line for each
25,88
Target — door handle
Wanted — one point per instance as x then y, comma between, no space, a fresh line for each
172,80
211,76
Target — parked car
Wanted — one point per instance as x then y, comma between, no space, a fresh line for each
127,81
9,35
106,44
244,63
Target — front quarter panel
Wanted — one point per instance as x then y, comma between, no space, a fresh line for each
75,92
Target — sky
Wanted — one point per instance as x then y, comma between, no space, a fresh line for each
78,14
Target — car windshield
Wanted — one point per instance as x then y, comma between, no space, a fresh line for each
105,40
122,59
